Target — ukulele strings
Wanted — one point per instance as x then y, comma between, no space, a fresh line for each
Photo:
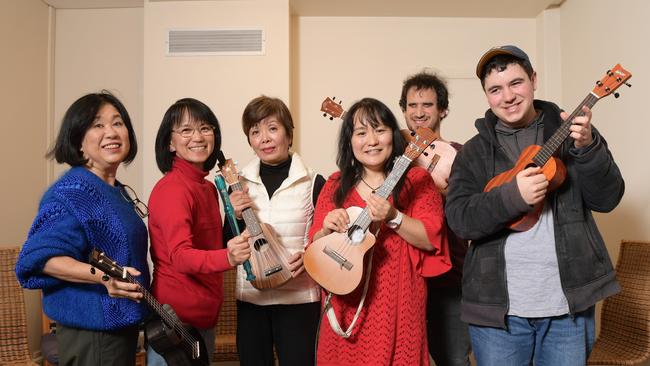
186,336
265,260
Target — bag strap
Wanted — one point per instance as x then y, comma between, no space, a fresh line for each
329,309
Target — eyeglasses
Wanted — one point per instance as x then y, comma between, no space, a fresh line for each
187,132
140,208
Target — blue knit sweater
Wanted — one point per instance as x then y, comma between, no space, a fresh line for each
76,214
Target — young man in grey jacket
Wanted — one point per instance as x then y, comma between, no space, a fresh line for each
529,295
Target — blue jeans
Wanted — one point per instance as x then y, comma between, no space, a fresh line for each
208,335
556,341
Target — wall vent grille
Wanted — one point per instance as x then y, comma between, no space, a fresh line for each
223,41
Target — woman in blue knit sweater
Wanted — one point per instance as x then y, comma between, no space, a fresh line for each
97,318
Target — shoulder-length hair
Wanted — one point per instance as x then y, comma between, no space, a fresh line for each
196,111
374,113
78,119
263,107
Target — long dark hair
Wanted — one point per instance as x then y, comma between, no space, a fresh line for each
374,113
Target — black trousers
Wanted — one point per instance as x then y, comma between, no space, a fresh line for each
81,347
448,336
291,328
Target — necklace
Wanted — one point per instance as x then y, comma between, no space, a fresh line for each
373,189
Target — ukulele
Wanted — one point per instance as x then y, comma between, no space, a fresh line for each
437,159
542,156
335,261
268,256
177,343
332,109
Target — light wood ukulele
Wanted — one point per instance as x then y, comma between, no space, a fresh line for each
542,156
437,159
178,343
269,258
335,261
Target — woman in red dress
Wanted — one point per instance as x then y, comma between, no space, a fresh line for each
410,244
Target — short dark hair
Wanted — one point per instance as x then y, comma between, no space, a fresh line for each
425,80
77,121
501,62
372,112
196,111
263,107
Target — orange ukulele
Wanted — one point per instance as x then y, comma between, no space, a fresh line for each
268,256
542,156
335,261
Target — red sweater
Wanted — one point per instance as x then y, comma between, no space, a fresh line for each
186,245
391,329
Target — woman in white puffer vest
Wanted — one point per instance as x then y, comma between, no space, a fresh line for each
282,191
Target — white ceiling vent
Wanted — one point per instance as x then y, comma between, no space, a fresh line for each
222,41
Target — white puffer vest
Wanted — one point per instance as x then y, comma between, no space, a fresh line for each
290,212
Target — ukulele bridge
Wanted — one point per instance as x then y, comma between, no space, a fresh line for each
338,258
272,270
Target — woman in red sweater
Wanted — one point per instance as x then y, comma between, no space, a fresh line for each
185,223
410,244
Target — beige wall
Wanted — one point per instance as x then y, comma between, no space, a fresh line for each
99,49
352,58
25,79
225,83
596,36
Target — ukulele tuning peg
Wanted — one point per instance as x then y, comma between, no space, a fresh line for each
340,101
333,98
425,153
629,85
324,114
599,83
616,95
331,118
92,270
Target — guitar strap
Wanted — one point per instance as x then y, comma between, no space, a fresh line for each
329,310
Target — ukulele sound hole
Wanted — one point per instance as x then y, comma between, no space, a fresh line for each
260,244
356,234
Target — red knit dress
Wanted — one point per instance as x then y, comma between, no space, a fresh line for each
391,329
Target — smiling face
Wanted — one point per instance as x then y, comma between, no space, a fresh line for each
197,148
510,94
422,109
106,143
270,141
371,146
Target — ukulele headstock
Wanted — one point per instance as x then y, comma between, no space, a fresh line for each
612,80
332,109
102,262
420,140
229,172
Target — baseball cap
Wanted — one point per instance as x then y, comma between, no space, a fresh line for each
501,50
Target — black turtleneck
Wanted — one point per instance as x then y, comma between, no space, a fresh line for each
273,175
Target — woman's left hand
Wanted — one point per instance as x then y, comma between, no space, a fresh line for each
117,288
296,265
380,209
